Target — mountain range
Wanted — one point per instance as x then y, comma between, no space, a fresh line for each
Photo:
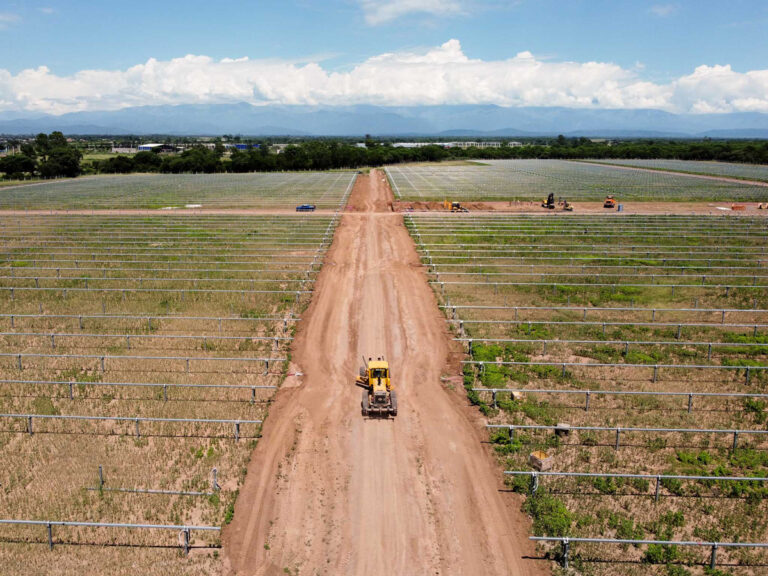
402,121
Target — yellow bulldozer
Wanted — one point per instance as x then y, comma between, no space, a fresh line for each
454,206
378,397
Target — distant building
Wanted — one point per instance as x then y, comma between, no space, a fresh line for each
458,144
149,147
123,150
154,147
480,144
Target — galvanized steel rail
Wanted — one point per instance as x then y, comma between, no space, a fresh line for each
184,530
150,318
624,343
655,367
104,357
659,478
203,338
164,385
566,541
589,393
618,430
29,418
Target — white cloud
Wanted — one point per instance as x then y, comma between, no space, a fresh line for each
8,18
663,10
382,11
440,75
719,89
47,10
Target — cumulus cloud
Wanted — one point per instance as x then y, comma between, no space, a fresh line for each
663,10
437,76
382,11
719,89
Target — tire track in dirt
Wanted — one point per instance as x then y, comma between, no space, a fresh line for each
329,492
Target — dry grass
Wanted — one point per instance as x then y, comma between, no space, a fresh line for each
47,475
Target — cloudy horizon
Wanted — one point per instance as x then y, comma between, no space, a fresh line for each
398,53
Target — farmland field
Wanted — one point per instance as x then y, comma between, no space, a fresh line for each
757,172
265,190
576,323
145,320
509,180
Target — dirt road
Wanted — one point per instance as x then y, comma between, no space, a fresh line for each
329,492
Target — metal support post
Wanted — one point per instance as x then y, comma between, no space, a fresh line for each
185,533
566,552
587,395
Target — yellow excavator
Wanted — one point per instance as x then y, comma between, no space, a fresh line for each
378,397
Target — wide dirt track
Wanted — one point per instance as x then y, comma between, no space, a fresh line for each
330,492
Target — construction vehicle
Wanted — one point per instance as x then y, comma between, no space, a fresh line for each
378,397
610,202
454,206
549,203
567,206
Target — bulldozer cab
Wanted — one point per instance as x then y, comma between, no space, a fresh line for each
378,375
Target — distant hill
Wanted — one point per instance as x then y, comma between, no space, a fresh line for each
440,121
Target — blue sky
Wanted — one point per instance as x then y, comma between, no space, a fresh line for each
645,42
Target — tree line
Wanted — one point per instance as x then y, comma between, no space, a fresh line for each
51,156
48,156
